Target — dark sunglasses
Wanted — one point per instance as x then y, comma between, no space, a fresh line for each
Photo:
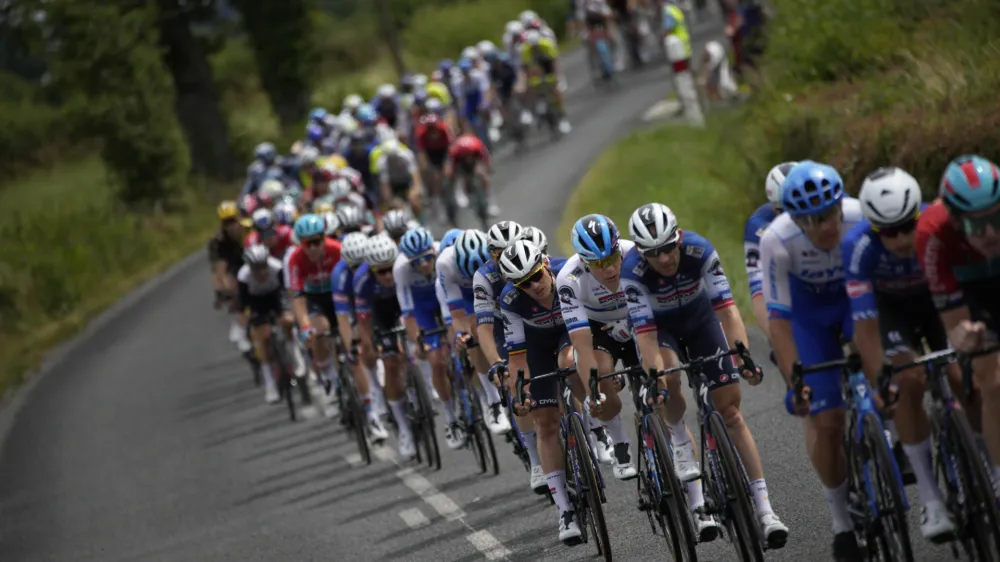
313,242
814,221
382,270
664,249
613,259
420,260
976,226
527,282
894,231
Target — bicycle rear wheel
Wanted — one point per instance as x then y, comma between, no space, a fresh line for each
593,511
425,415
674,508
358,418
738,507
483,435
892,528
284,376
983,512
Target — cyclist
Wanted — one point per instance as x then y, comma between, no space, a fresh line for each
958,245
225,256
679,300
342,192
598,17
264,156
470,156
801,251
538,343
537,237
540,63
755,227
473,87
417,296
395,165
395,223
433,137
262,292
350,106
893,314
309,268
456,266
596,318
275,237
285,214
512,37
377,310
353,248
386,104
354,219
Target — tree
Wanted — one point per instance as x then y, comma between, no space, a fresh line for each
281,35
197,100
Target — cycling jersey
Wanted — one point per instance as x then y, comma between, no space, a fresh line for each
755,227
469,148
417,296
472,91
278,241
536,331
455,288
308,277
583,298
223,248
434,138
439,91
375,300
395,168
342,285
805,285
264,297
681,308
543,53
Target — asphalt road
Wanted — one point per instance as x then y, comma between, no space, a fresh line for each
150,442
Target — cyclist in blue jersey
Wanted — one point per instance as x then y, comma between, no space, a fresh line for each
680,304
893,314
756,224
809,315
352,252
473,88
377,308
417,295
538,343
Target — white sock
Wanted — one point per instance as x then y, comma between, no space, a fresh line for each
399,412
679,434
836,500
449,411
615,431
265,371
425,368
530,439
696,495
557,487
890,426
761,502
373,378
366,401
491,392
923,468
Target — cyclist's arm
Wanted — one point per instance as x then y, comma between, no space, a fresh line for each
296,286
721,295
516,343
859,279
220,276
485,303
777,261
641,314
404,294
300,311
578,326
751,253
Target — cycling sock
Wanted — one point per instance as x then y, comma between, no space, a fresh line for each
449,411
696,495
425,368
615,431
679,435
373,378
492,394
594,422
920,459
265,371
557,487
836,500
366,401
399,412
761,502
530,439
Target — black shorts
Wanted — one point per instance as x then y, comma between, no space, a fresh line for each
400,189
264,308
620,9
619,351
907,322
595,21
983,299
386,316
543,357
701,338
233,266
437,158
321,304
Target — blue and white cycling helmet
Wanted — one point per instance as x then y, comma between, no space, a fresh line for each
811,188
594,237
471,252
449,238
265,152
465,64
309,226
315,132
317,115
970,183
366,114
415,242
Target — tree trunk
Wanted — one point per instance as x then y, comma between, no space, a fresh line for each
197,103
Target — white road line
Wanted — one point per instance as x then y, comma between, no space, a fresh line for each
414,518
445,506
488,545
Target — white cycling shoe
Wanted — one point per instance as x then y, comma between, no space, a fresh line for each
538,483
775,532
623,468
935,521
602,445
569,531
685,465
454,437
271,395
708,527
496,420
407,448
461,199
376,430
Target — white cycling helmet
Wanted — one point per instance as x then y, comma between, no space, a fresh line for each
308,155
486,48
527,17
350,216
385,91
419,81
535,235
519,260
776,177
332,223
340,188
470,53
652,226
256,255
503,234
390,146
471,252
532,37
352,102
353,247
514,27
394,223
381,251
271,189
889,196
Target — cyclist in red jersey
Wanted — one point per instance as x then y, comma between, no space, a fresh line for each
470,158
433,138
958,246
320,187
309,268
276,237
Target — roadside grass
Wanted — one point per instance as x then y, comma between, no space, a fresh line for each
679,167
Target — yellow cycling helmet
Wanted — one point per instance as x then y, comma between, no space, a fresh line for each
227,211
321,207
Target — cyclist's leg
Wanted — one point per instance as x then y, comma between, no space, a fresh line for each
496,417
984,306
260,333
395,392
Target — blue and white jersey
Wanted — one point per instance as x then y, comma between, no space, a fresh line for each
487,284
583,298
755,227
871,268
456,289
472,91
415,291
796,273
699,286
372,297
527,322
342,282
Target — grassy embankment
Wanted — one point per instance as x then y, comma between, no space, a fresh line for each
69,251
856,83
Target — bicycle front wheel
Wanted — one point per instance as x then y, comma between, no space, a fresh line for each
738,505
425,413
591,500
359,420
981,509
891,526
483,436
673,505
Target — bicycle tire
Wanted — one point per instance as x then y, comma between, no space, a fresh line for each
486,438
986,511
738,503
478,197
450,205
889,497
359,419
284,377
472,435
592,490
426,418
677,515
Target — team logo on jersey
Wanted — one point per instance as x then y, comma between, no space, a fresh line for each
641,268
856,289
632,294
753,258
509,297
694,251
760,231
480,294
716,268
566,295
573,275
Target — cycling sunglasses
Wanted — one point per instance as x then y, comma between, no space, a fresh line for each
817,220
664,249
423,258
894,231
976,226
613,259
313,242
381,270
534,277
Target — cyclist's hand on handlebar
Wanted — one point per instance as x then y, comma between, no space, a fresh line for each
753,377
967,336
523,408
307,335
596,406
462,339
498,372
798,405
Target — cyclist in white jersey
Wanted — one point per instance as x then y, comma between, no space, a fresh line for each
596,317
261,289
